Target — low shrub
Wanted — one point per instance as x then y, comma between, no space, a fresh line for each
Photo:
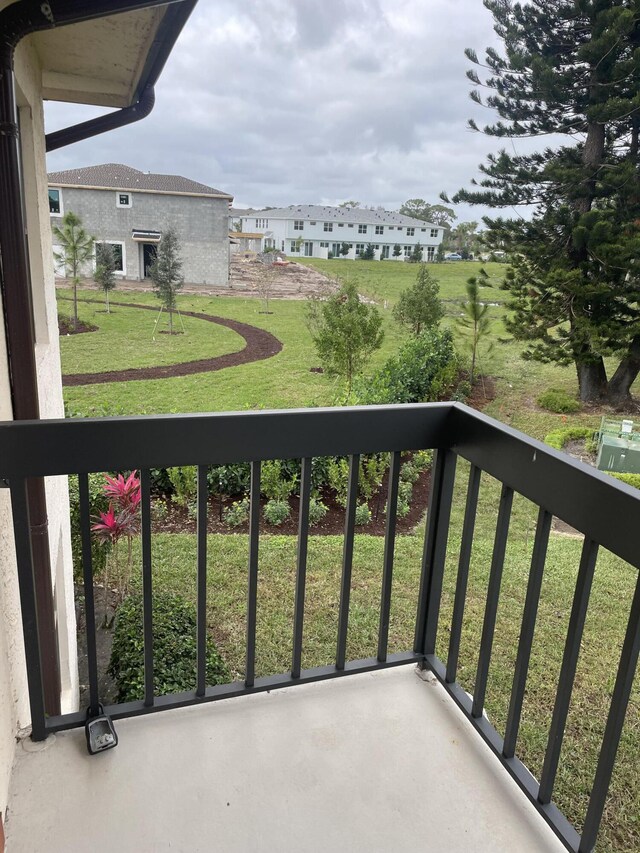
462,392
184,483
422,459
559,437
409,473
236,514
276,482
174,648
629,479
98,502
363,515
557,400
317,511
276,512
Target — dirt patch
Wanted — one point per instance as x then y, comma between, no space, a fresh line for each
260,345
66,326
484,391
577,449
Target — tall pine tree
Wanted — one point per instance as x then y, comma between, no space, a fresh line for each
570,68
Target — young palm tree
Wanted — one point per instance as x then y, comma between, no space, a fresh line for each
76,248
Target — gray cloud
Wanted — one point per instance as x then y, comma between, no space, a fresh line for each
284,101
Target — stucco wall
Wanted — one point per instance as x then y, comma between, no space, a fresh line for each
201,224
14,709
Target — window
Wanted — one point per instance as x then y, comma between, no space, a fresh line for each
324,245
431,253
407,251
385,252
55,203
399,228
283,245
262,223
295,247
298,225
423,229
434,232
379,229
118,254
350,225
359,248
391,228
362,229
411,232
123,199
340,224
328,226
312,223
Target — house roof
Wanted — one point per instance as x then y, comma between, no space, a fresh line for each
318,212
116,176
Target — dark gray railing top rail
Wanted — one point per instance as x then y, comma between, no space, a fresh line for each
588,500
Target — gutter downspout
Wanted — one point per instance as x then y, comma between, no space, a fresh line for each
102,124
17,21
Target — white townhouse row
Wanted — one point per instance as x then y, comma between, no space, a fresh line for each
316,231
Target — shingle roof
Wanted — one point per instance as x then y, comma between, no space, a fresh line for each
118,177
318,212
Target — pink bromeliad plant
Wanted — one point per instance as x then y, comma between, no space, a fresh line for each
120,521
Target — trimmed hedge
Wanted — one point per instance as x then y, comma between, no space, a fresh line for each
174,648
557,400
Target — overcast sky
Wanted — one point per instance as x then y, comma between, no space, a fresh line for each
310,101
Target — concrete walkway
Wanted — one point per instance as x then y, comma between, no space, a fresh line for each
375,762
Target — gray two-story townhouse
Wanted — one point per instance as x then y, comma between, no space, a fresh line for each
320,231
130,209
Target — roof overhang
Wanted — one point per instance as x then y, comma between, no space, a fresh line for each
109,61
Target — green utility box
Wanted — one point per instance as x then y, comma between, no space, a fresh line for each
618,446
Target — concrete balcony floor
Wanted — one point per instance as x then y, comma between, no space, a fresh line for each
374,762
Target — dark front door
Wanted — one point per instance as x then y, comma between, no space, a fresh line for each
148,257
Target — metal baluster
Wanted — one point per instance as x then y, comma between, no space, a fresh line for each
389,544
568,669
493,595
529,615
89,603
203,493
252,587
303,539
435,551
147,591
466,543
615,723
347,559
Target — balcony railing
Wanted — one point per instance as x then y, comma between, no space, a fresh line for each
603,510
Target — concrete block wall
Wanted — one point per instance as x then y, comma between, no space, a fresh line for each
200,222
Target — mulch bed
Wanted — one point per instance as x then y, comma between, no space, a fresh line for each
66,326
178,520
260,345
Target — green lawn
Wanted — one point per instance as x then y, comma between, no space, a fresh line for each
125,338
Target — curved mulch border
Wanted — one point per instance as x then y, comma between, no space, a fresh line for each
260,345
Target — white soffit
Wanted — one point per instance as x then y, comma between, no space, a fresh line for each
97,62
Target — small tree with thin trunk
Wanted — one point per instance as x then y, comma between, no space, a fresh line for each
166,272
474,323
76,249
419,306
105,272
397,250
345,332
